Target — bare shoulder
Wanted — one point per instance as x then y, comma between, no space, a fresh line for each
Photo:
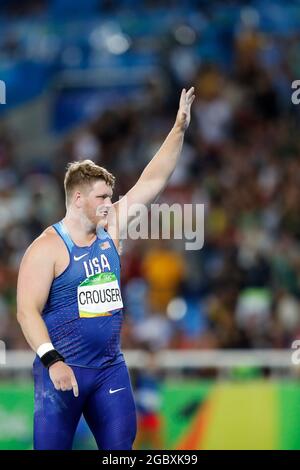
48,242
46,251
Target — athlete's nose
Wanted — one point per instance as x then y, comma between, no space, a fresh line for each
108,202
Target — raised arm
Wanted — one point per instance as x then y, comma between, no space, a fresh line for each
155,176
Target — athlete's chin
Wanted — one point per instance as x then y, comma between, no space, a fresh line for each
102,221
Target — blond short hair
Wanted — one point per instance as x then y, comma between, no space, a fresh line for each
84,173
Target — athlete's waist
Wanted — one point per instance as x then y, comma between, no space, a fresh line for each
99,363
71,312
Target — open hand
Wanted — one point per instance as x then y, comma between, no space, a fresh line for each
184,112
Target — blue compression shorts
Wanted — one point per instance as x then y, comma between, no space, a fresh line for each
105,399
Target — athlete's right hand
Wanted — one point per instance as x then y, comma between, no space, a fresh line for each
63,377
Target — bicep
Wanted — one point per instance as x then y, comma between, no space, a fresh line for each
35,278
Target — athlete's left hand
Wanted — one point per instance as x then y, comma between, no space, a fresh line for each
184,112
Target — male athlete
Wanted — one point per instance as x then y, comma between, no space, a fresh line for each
69,302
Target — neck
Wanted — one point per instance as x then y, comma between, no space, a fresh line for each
81,230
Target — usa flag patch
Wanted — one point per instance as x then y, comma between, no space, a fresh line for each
105,245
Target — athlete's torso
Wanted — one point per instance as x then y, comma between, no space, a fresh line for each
83,312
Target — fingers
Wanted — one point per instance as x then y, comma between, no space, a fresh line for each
74,386
183,97
190,96
67,383
190,92
63,385
56,385
187,97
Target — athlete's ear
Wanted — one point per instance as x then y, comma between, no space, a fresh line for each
78,199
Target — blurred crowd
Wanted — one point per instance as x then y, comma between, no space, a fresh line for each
241,159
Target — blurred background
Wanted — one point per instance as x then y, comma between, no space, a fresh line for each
207,333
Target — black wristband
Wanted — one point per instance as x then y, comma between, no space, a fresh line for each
51,357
